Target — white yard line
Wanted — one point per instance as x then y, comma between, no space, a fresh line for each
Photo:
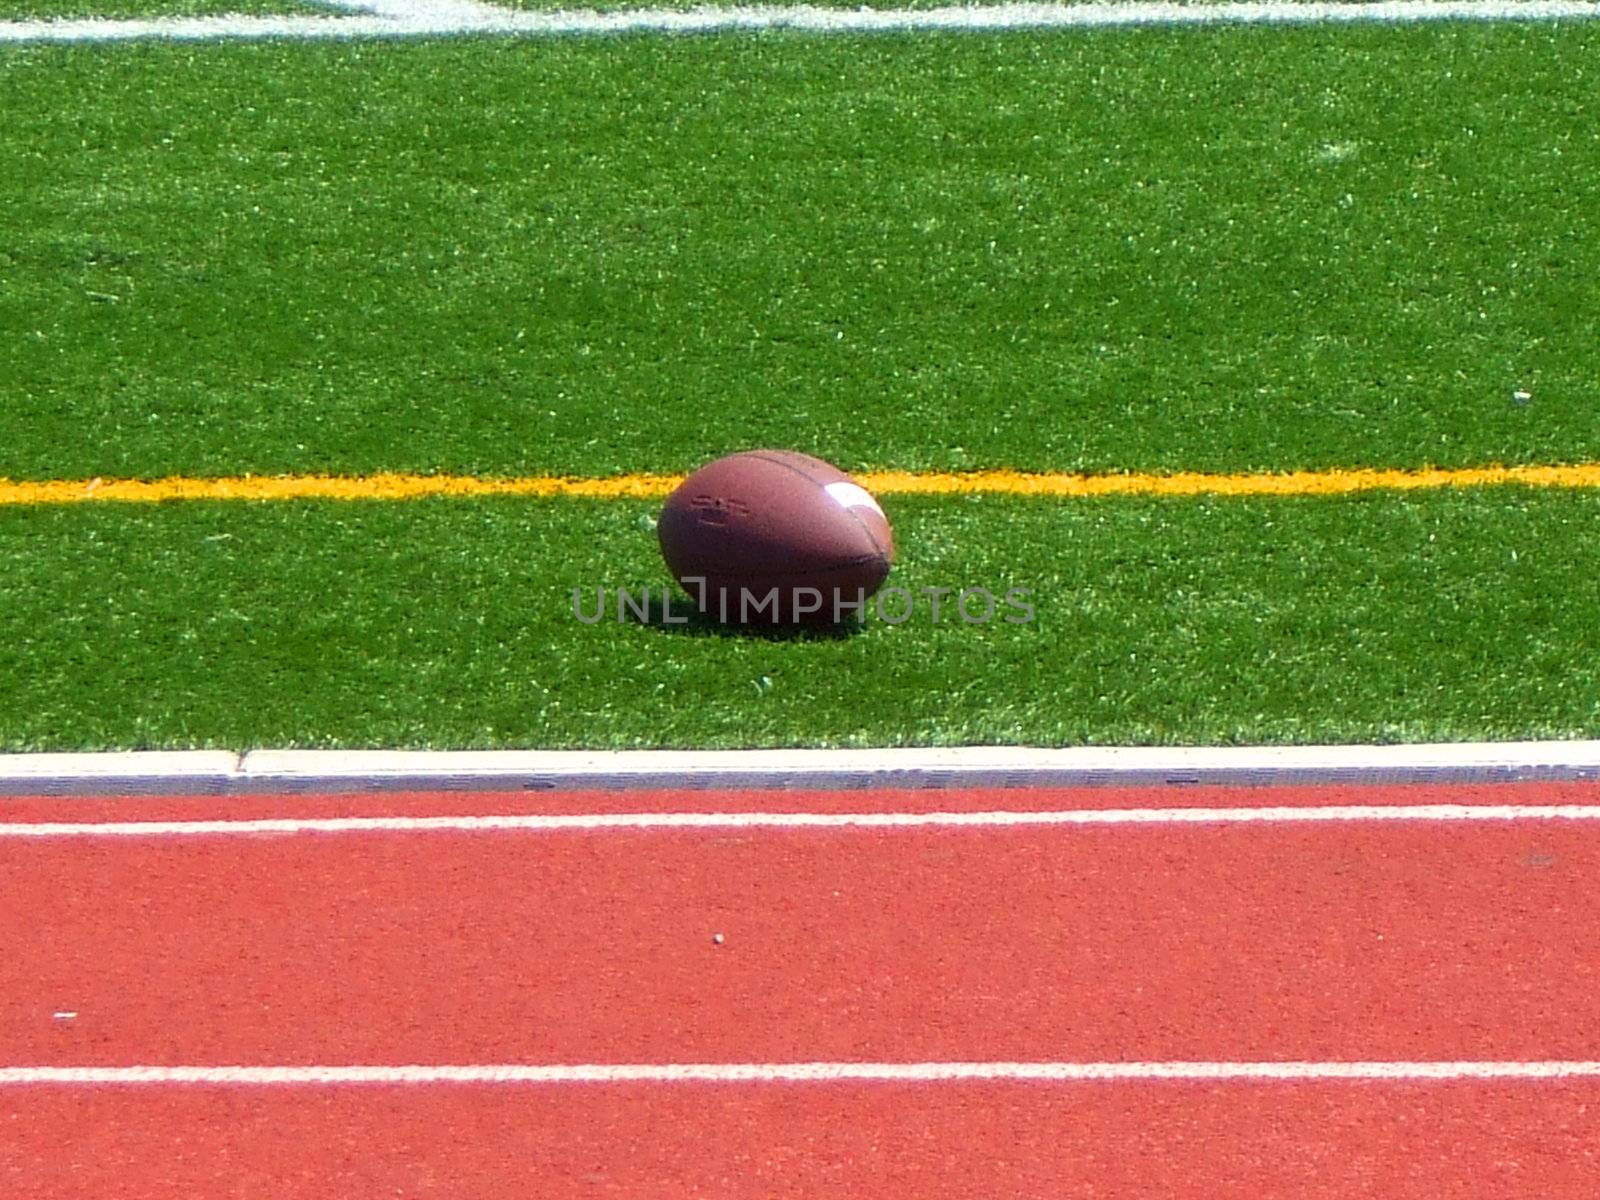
208,771
590,822
808,1072
422,12
398,18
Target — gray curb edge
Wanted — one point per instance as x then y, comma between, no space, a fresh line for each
230,773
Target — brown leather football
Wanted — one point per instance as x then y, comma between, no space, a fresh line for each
775,537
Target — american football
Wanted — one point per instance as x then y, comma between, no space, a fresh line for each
775,537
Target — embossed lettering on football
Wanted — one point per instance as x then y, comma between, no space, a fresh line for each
775,537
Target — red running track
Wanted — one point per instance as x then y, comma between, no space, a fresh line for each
1319,942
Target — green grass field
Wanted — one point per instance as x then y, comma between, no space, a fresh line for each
451,624
1153,250
1221,250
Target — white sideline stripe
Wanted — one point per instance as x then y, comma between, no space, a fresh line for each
811,1072
418,10
552,823
394,18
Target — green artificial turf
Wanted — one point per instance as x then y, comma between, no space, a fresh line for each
1234,249
1382,617
1241,248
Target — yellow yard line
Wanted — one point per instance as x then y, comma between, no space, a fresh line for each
1192,483
386,486
390,486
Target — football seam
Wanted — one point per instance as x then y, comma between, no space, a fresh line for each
865,528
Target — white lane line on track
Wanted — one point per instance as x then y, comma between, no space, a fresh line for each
395,18
565,822
810,1072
